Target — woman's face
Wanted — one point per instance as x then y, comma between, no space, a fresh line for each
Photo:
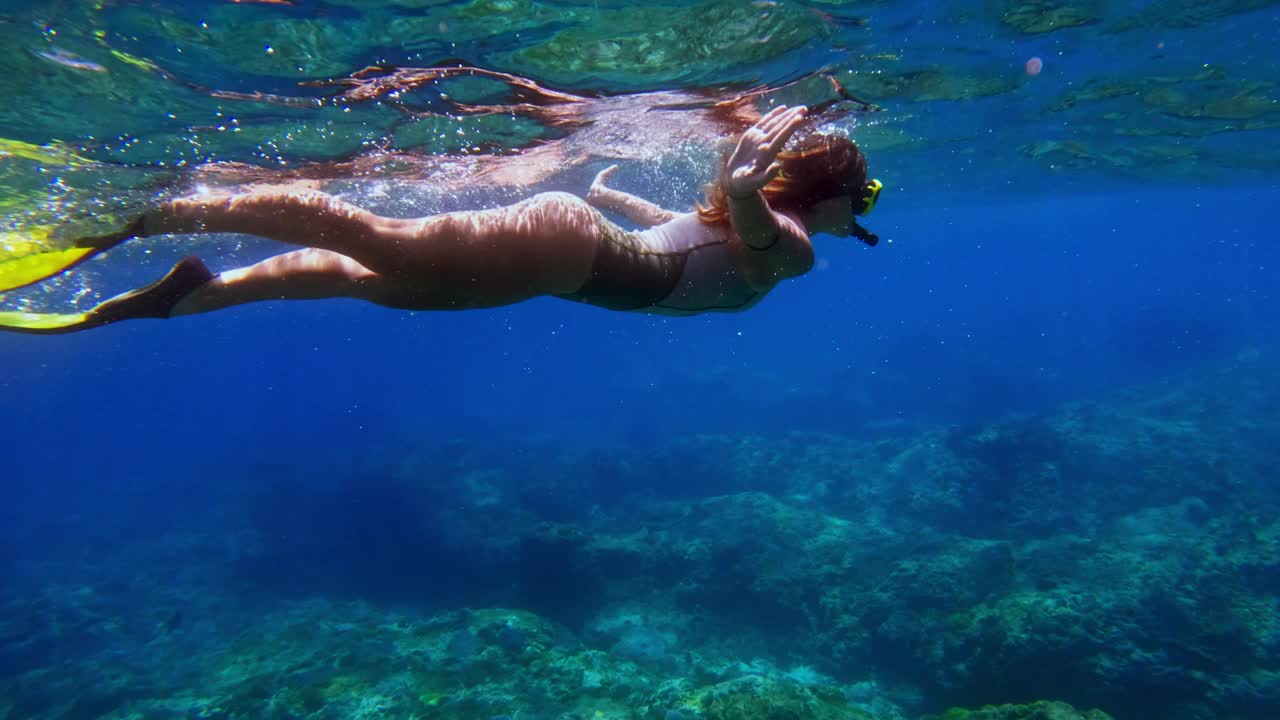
833,216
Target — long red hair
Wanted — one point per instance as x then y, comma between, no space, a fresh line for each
821,167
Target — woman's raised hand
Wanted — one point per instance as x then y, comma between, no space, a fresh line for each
599,190
754,162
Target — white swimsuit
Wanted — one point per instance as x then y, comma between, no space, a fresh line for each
681,267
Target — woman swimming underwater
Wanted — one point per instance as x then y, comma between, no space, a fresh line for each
753,233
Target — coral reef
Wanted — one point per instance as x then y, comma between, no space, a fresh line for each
1120,554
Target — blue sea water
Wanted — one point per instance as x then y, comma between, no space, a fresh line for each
286,481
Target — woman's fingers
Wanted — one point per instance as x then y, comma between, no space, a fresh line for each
781,119
753,162
770,117
787,129
604,175
598,190
768,124
788,121
776,127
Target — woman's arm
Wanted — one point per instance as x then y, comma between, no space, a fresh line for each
751,166
635,209
753,221
777,245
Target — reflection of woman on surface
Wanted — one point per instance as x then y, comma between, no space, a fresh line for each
726,256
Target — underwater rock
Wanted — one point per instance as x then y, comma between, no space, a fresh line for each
1082,549
950,573
1208,102
643,632
1088,615
1033,17
1244,101
759,698
928,84
1042,710
643,646
1185,14
1112,552
671,43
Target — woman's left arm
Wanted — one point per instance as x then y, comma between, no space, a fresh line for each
634,208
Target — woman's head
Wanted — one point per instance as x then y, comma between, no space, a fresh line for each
820,168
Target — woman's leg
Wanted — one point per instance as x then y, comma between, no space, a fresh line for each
310,219
309,274
189,288
541,246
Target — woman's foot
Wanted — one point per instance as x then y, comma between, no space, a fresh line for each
158,299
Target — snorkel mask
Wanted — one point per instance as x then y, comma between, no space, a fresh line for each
864,201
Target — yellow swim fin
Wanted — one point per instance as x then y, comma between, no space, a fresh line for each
156,300
30,256
23,270
43,323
